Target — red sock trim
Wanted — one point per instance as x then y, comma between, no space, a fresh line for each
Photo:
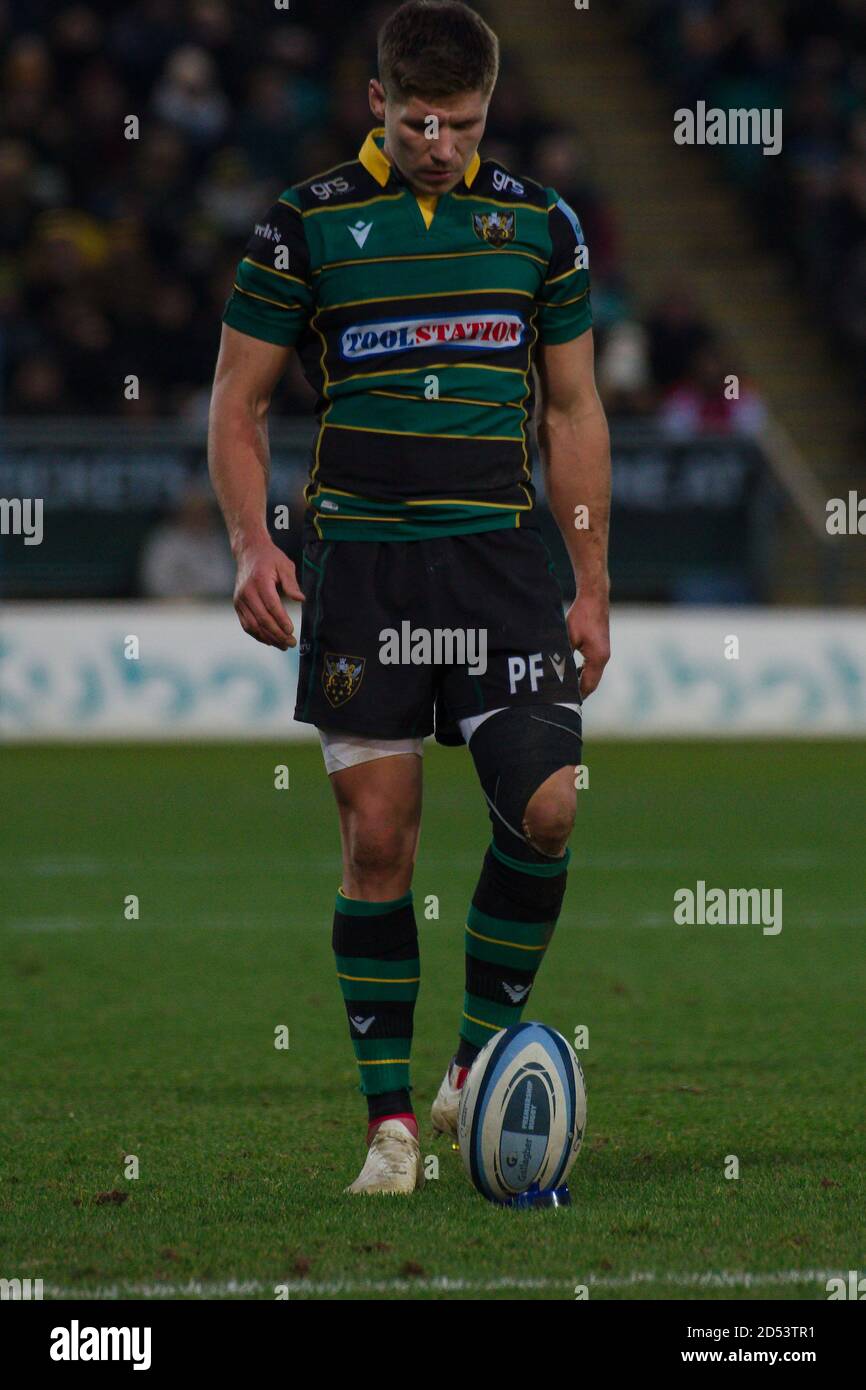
408,1119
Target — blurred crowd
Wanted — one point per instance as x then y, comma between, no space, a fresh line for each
117,254
809,59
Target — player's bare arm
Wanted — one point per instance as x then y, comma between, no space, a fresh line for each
575,453
247,371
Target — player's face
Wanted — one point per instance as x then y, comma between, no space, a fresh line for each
432,155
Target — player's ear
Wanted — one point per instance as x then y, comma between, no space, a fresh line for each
376,94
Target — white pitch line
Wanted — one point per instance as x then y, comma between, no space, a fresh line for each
79,866
272,921
45,924
721,1279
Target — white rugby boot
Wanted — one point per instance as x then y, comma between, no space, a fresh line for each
443,1113
393,1163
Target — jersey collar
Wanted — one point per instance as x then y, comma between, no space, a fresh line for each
377,163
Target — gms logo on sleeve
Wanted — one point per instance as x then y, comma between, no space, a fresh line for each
416,321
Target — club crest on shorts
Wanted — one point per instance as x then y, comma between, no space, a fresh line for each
341,677
496,228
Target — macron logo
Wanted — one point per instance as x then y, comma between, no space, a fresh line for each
515,992
558,664
361,231
362,1024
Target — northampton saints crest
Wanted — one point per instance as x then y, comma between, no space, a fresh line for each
496,228
341,677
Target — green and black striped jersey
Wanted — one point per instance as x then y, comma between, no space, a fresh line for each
415,321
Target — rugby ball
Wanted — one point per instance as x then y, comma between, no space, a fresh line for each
522,1112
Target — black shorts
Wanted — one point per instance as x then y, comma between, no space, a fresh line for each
383,623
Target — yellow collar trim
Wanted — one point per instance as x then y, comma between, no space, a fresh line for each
377,163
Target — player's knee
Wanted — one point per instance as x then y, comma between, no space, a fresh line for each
549,816
525,763
379,845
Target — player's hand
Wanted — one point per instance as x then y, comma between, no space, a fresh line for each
588,623
264,573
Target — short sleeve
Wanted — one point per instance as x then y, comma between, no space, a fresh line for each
272,298
564,296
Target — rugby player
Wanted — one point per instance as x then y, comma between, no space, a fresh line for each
432,296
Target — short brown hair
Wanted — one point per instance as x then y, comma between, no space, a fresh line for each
437,48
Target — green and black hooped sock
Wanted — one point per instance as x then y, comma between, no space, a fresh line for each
376,948
512,918
519,895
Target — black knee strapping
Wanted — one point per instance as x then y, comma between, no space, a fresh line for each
515,751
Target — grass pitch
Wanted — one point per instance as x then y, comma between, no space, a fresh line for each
155,1037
